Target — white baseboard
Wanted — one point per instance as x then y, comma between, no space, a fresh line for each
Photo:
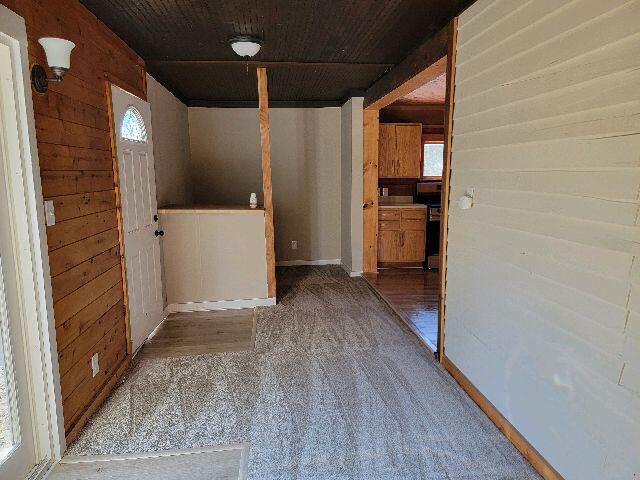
348,270
219,305
295,263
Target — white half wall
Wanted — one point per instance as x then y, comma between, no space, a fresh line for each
543,278
351,184
305,164
170,122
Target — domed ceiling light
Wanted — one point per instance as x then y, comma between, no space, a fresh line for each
246,45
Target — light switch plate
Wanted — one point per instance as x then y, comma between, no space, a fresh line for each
49,213
95,365
294,244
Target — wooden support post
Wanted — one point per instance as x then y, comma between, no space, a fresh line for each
446,179
371,132
265,144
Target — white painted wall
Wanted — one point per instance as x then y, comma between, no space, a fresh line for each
305,162
213,258
351,185
170,145
543,280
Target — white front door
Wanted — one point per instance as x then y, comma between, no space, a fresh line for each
17,436
132,127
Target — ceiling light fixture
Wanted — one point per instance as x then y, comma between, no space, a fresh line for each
246,45
58,53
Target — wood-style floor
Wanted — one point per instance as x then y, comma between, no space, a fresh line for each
196,333
413,293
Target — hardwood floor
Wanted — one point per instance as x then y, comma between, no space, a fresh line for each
413,293
196,333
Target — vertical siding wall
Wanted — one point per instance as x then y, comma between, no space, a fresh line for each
74,149
543,281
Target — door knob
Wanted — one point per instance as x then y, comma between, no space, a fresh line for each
159,233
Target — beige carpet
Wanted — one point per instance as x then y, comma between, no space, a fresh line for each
213,463
336,388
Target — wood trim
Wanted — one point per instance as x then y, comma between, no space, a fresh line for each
414,71
272,104
452,28
116,180
264,64
370,134
536,460
430,73
265,148
97,402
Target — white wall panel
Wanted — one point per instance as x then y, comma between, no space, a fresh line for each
543,278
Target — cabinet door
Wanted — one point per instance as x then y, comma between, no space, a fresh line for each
387,151
412,246
389,245
409,151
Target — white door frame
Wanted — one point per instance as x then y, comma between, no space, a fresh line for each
27,207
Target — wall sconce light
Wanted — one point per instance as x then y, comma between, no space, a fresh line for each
58,52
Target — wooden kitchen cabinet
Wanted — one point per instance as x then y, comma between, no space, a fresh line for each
387,151
389,245
400,150
401,236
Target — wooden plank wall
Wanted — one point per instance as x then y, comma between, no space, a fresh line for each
72,128
543,273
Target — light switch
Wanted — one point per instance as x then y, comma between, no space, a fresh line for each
49,213
95,365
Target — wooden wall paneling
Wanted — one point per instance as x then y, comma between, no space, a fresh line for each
371,132
72,230
82,321
74,278
76,165
65,258
265,144
63,157
446,179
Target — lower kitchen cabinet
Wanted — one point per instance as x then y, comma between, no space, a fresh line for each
401,236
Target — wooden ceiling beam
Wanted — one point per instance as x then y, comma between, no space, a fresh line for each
258,63
424,63
272,104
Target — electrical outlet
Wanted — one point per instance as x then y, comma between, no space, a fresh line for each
294,244
95,364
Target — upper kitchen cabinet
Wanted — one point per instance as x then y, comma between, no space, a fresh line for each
400,150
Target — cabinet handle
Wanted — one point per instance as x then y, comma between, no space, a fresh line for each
402,239
159,233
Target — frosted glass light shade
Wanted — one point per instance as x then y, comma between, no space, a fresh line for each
246,48
58,51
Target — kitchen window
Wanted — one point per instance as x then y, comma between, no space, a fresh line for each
433,156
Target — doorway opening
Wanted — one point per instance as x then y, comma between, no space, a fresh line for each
407,144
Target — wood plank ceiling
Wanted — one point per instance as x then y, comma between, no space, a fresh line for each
316,51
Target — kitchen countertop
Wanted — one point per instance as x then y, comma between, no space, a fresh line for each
403,205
